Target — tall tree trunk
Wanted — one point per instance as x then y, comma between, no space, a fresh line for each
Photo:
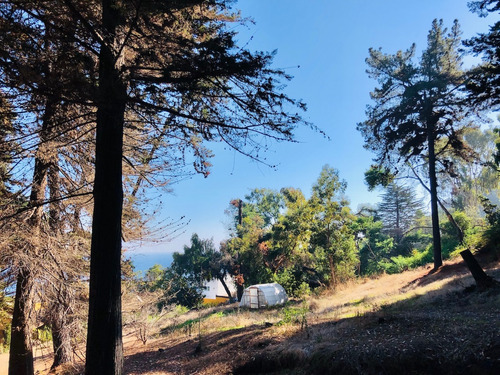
333,281
104,339
21,351
240,286
436,235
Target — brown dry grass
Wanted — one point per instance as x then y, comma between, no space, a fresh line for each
417,322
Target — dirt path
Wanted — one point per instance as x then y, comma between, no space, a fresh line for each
43,361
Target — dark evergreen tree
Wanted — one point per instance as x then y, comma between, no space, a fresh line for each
169,62
484,80
419,115
398,210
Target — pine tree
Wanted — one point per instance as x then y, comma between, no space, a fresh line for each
172,63
398,210
419,115
484,80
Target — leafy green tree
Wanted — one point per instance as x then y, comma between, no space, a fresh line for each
266,203
153,277
289,236
248,250
182,283
332,239
249,246
175,288
474,180
180,290
419,115
288,256
373,245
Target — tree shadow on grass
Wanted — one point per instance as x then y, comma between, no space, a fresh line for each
451,271
218,350
437,333
443,332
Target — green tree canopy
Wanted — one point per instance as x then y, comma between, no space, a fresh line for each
332,239
419,115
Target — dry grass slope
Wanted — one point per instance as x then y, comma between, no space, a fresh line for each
417,322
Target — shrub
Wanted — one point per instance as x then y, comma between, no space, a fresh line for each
400,263
295,315
293,281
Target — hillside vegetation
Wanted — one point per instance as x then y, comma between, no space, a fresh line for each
414,322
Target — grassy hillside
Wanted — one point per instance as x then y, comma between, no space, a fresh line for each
416,322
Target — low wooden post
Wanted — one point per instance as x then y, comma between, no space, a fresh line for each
483,281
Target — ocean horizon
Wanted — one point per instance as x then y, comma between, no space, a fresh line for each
144,261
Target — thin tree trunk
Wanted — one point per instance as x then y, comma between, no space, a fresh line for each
60,308
223,282
240,286
239,291
333,281
104,339
436,235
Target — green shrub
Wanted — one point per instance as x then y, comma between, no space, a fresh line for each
295,315
400,263
293,282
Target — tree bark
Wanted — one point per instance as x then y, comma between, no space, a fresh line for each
460,232
61,333
21,351
59,309
239,291
436,235
333,281
104,339
483,281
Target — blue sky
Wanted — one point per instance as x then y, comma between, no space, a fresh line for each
329,40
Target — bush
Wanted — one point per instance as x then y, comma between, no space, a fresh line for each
42,334
400,263
293,282
295,315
